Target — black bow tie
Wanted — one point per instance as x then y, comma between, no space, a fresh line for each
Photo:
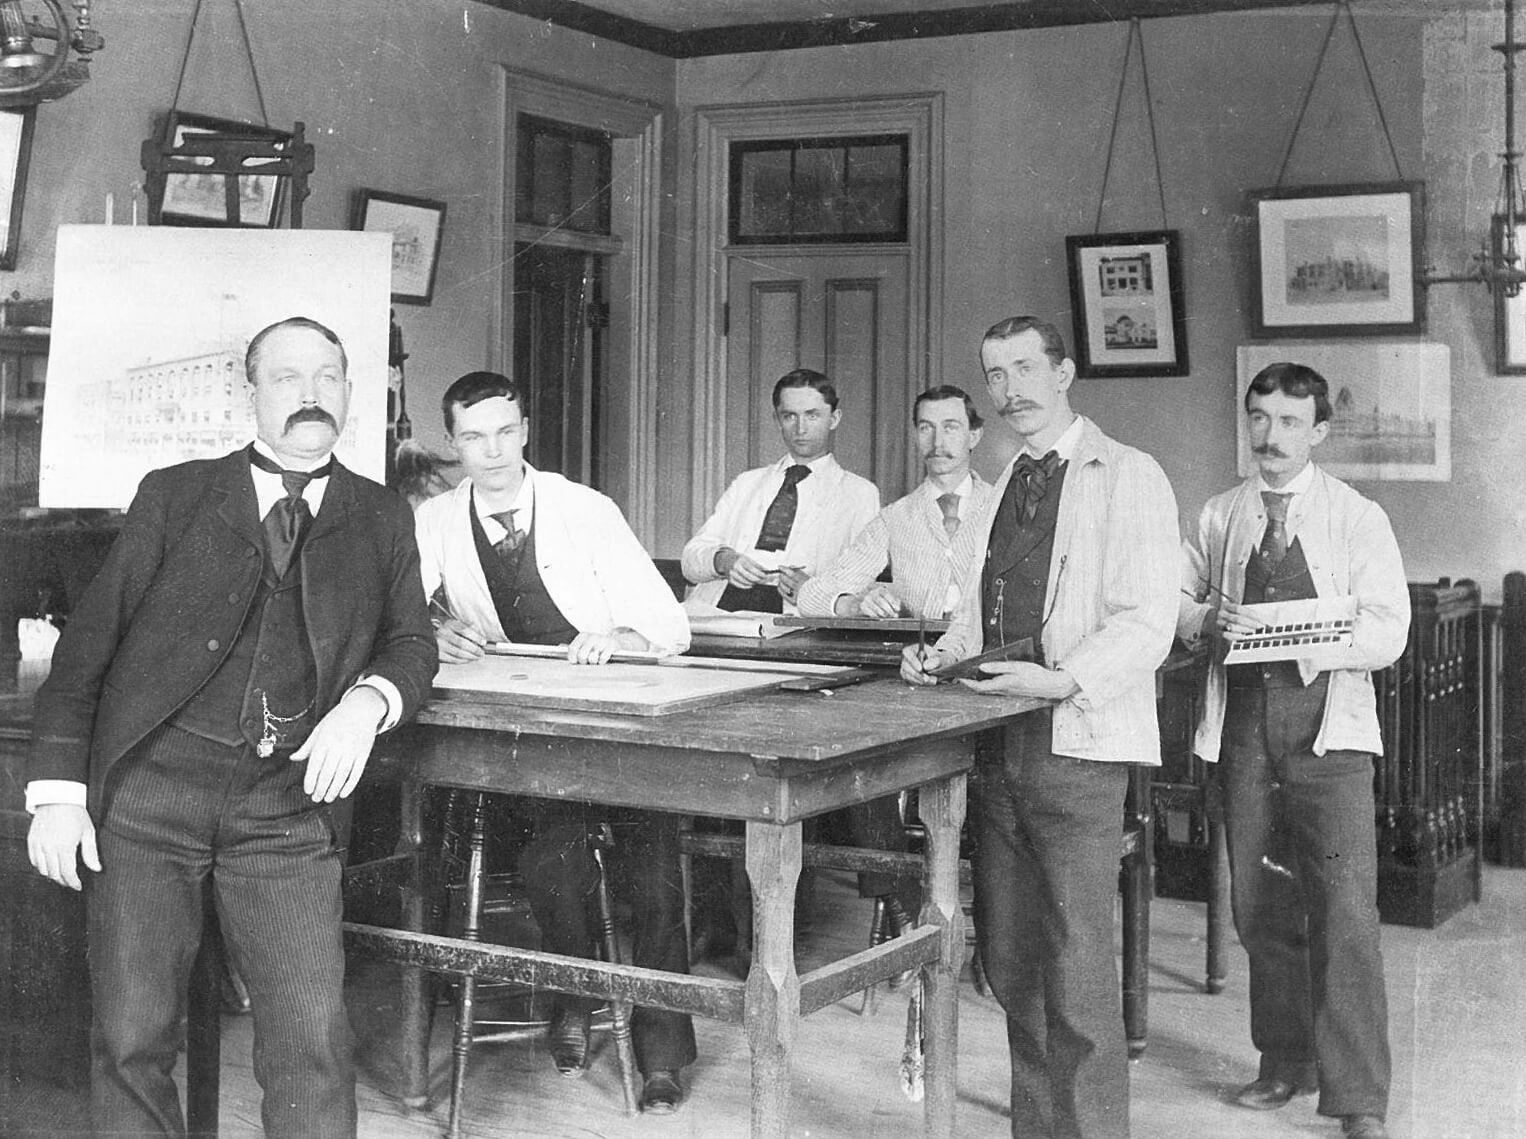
294,482
1031,477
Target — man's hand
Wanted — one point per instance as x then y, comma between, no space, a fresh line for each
597,648
740,570
59,832
1024,678
918,660
458,642
880,602
791,578
337,750
1234,621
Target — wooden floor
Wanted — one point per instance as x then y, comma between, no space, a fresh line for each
1458,1030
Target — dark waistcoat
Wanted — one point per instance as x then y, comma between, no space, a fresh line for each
270,667
1017,568
1288,580
525,610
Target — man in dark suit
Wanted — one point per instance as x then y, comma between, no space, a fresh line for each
212,702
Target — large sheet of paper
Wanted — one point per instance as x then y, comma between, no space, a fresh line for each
625,689
1317,629
150,325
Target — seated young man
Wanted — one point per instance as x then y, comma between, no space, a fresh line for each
516,554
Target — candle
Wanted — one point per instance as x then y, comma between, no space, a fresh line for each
111,208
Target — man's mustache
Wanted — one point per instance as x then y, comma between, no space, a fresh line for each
1014,406
1270,450
311,415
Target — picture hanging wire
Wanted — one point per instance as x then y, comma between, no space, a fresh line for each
1341,9
254,71
1134,33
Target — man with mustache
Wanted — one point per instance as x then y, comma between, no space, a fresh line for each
1296,742
1078,543
211,706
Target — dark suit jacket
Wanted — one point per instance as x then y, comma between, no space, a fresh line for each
166,607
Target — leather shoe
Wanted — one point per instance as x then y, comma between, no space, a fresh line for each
568,1037
1363,1127
661,1093
1270,1092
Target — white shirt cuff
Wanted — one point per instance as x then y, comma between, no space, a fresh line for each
390,694
46,792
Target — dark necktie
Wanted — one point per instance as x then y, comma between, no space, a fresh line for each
287,522
1032,478
513,537
949,504
777,523
1274,542
781,511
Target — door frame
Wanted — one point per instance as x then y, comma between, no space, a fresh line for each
641,123
920,117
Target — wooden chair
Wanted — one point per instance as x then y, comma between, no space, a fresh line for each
474,886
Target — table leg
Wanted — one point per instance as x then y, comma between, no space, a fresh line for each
772,1006
414,989
942,808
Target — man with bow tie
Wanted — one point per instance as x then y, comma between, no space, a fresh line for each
1079,545
211,706
1295,744
519,554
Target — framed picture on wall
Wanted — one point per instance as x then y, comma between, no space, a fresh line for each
1390,406
1509,312
1127,303
204,199
15,157
415,225
1338,260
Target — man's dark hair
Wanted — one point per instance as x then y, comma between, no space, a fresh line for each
947,391
806,378
252,354
1296,380
1049,335
474,387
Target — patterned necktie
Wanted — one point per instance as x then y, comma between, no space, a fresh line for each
781,511
287,523
1032,476
513,536
949,504
1274,543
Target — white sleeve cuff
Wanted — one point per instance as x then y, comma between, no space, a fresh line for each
45,792
390,694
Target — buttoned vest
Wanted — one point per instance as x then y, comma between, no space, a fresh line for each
525,610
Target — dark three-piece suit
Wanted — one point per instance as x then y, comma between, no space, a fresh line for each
187,651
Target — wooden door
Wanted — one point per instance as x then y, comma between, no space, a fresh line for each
841,312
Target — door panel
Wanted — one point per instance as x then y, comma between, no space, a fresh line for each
843,313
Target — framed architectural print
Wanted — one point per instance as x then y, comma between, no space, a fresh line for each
415,225
1127,303
1338,260
1509,312
248,201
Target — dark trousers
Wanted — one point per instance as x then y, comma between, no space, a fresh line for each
183,811
1047,832
562,881
1303,864
877,824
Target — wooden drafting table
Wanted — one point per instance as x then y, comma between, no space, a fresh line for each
768,759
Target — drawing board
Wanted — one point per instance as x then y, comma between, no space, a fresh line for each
622,689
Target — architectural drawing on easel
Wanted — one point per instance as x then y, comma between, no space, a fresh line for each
150,327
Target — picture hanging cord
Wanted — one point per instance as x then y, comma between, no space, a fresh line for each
185,58
1144,71
1341,7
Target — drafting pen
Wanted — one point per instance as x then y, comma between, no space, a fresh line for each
1212,589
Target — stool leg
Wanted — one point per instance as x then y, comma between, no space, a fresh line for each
466,996
620,1011
1218,905
877,936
